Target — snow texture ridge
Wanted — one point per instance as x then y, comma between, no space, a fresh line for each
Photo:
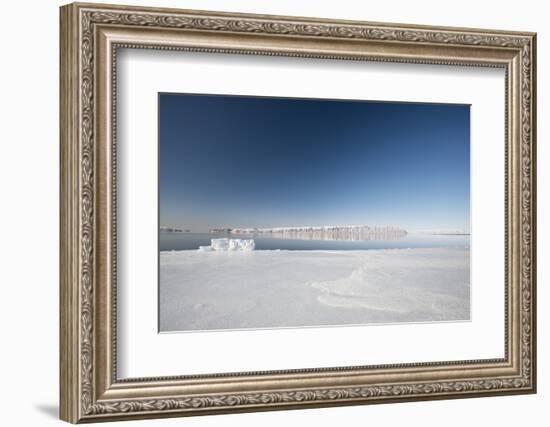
271,289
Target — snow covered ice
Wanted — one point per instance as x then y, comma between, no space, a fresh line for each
220,288
224,245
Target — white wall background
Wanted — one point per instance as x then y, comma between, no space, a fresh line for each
29,171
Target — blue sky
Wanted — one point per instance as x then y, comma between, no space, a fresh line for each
231,161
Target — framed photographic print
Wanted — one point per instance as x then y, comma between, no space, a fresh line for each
264,212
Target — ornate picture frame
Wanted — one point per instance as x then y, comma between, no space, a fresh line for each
90,37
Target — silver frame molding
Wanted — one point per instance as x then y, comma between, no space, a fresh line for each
90,37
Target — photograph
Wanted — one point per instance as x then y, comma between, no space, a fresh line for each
279,212
287,208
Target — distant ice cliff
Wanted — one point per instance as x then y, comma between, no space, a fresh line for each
328,232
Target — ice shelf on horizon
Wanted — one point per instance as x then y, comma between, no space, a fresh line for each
228,245
445,232
169,229
327,232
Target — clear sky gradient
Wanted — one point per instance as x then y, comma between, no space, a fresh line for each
232,161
